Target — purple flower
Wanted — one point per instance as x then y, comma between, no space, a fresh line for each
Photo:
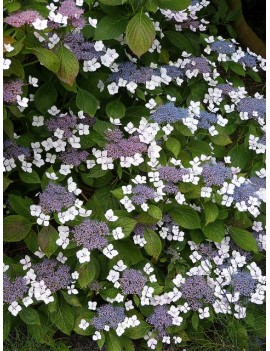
248,60
244,191
132,282
13,290
251,105
223,47
55,275
243,283
54,198
91,234
172,174
226,88
11,150
173,72
196,291
199,63
66,123
142,193
69,9
20,18
215,173
131,73
11,89
206,119
84,50
73,157
160,319
108,315
168,113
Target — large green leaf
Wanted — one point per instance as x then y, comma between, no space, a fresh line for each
112,2
153,246
186,217
30,316
20,205
47,240
221,139
88,272
244,239
239,156
63,318
45,97
214,231
138,332
30,178
15,228
210,212
116,109
110,27
140,34
174,5
69,66
47,58
86,102
174,146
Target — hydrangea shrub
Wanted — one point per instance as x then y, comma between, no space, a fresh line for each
134,157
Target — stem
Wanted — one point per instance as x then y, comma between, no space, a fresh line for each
245,34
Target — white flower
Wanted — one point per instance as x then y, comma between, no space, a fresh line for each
27,301
72,290
52,175
120,266
204,313
43,219
92,305
53,111
97,336
129,305
151,104
6,63
118,233
206,191
115,121
93,22
23,102
39,24
113,88
84,325
5,267
109,251
110,216
61,258
180,198
152,343
33,81
113,276
144,207
35,210
148,268
26,262
14,308
8,47
83,255
75,275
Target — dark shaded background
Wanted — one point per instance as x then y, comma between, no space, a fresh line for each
255,14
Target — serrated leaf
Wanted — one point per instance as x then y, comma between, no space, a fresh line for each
214,231
112,342
30,316
45,97
244,239
15,228
63,318
30,178
173,5
87,272
115,109
174,146
69,66
155,212
6,183
140,34
239,156
20,205
138,332
47,58
153,244
86,102
210,212
47,240
186,217
199,147
110,27
221,139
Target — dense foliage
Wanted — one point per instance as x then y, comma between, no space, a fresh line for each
134,173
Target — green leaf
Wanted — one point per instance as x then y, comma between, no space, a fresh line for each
86,102
174,5
115,109
214,231
153,246
12,6
239,156
118,193
151,5
254,75
199,147
87,272
110,27
195,320
9,128
140,34
186,217
130,253
6,183
112,2
71,299
30,178
221,139
155,212
237,68
45,97
6,325
16,228
87,315
180,41
20,205
69,66
30,316
138,332
210,212
244,239
47,240
63,318
112,342
174,146
47,58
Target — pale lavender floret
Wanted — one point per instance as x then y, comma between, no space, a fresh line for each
66,123
84,50
244,191
243,283
142,193
13,290
258,183
215,173
191,23
169,113
196,292
120,147
131,73
132,281
170,188
20,18
199,63
172,174
108,315
248,60
250,105
206,119
54,198
73,157
160,320
55,275
173,72
11,150
91,234
207,251
226,88
95,286
69,9
11,89
223,47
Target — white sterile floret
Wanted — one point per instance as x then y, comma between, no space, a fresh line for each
61,258
6,63
83,324
204,313
43,219
26,262
151,104
5,267
144,207
128,305
148,269
93,22
109,251
118,233
83,255
180,198
96,336
27,301
92,305
206,192
53,111
152,343
8,47
52,175
71,290
14,308
113,276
